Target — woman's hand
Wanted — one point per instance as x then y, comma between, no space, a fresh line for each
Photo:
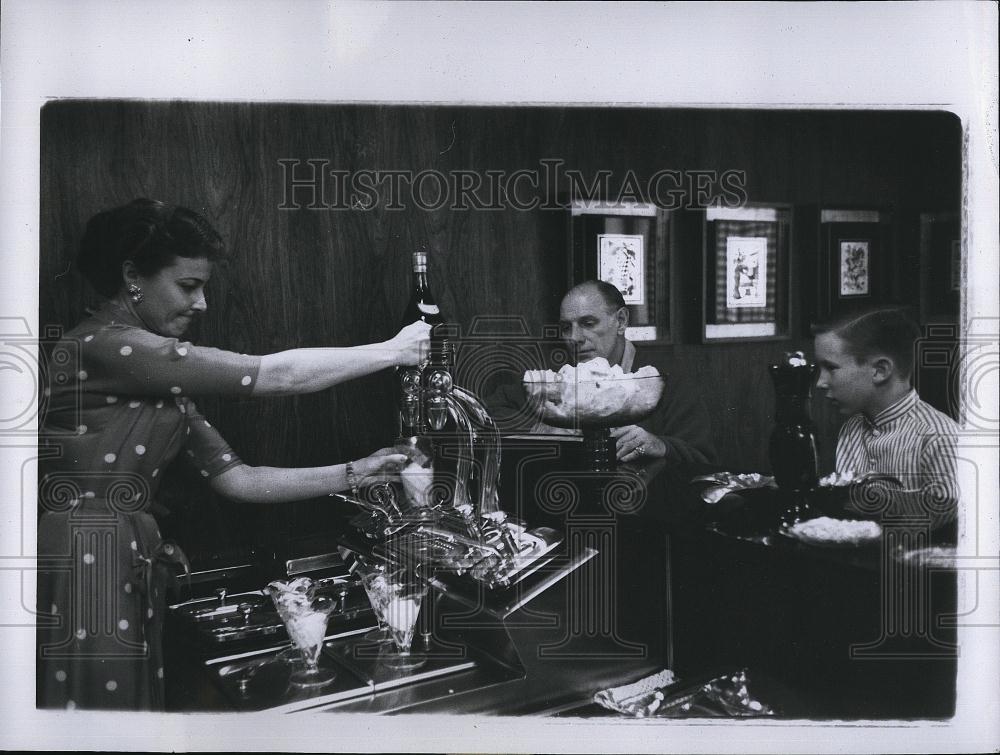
382,466
632,443
412,344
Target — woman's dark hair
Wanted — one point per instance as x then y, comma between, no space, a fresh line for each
892,332
149,233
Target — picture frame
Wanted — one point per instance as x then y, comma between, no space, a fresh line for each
747,273
621,262
855,253
627,244
855,268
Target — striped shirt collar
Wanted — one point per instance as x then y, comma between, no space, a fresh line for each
897,410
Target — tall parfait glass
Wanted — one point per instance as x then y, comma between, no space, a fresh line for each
305,617
373,579
405,596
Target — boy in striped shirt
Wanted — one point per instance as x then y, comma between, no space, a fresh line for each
865,365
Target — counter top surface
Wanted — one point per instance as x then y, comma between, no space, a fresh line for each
675,586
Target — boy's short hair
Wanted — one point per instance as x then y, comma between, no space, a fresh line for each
892,332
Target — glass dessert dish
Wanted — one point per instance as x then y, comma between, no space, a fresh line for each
404,597
598,403
594,398
373,580
292,654
305,618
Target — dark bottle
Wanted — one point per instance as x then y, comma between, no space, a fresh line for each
422,306
794,459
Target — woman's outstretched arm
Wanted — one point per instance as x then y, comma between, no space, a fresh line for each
278,484
309,370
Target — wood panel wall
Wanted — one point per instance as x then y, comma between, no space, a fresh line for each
311,277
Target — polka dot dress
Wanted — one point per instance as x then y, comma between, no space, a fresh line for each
118,414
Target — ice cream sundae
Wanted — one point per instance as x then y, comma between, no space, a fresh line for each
305,617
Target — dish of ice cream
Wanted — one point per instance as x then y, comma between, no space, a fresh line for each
307,630
828,531
303,614
594,394
401,616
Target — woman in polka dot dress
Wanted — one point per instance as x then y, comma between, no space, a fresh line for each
119,410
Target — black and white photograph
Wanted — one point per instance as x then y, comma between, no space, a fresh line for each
473,411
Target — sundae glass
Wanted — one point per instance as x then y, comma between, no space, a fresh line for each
374,581
305,617
417,479
301,585
402,607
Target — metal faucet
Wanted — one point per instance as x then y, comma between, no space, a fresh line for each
435,400
430,400
489,503
475,423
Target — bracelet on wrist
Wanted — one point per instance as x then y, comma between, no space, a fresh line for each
352,479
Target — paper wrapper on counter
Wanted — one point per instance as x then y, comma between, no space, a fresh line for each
663,695
637,698
724,483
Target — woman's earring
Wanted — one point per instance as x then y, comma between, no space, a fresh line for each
135,293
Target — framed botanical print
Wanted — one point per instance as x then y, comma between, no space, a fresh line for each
627,244
621,260
747,273
855,274
855,254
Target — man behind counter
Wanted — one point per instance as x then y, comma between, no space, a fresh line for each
593,317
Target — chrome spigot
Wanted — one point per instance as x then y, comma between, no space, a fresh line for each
473,439
439,385
412,396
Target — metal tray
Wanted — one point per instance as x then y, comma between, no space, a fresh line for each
251,616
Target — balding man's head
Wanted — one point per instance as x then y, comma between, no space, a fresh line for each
593,316
612,297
